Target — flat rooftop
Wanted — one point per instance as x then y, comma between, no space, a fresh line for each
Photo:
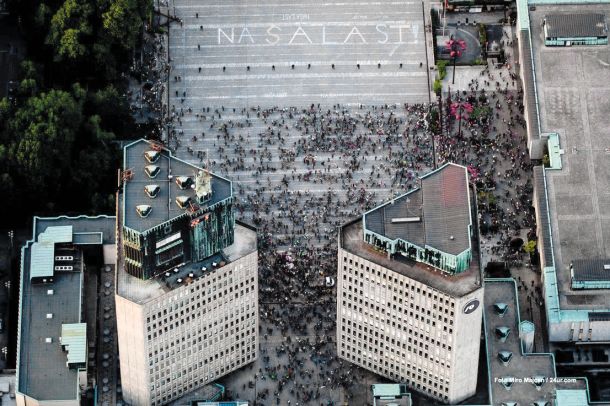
437,214
141,291
103,227
237,34
42,370
164,206
352,240
574,101
521,367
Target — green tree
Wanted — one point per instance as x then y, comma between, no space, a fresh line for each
111,106
530,247
69,28
437,86
123,23
46,125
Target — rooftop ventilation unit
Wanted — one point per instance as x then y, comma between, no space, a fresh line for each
191,275
538,381
49,315
507,382
505,356
64,258
406,220
152,156
152,190
48,340
179,280
143,210
501,309
152,170
176,270
203,269
49,292
183,182
502,333
64,268
167,274
183,201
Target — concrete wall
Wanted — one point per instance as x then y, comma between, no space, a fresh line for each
133,352
466,338
189,336
24,400
570,330
433,342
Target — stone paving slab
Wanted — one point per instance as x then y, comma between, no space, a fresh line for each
215,43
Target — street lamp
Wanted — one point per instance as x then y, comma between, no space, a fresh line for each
455,48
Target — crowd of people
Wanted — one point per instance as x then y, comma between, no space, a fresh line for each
299,173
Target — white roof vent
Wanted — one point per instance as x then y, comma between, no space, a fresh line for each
49,292
143,210
49,315
183,182
451,237
179,280
152,156
606,267
152,170
152,190
48,340
183,201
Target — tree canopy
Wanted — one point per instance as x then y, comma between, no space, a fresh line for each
58,128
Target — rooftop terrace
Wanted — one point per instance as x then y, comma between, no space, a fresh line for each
351,240
155,181
436,215
141,291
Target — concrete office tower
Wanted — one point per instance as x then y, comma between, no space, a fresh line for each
187,287
409,288
52,334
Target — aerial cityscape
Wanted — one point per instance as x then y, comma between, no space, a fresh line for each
369,203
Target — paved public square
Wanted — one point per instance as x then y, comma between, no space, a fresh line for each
312,146
242,53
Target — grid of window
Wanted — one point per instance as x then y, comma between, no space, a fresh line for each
394,326
202,331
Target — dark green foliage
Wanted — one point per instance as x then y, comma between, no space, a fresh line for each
58,153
